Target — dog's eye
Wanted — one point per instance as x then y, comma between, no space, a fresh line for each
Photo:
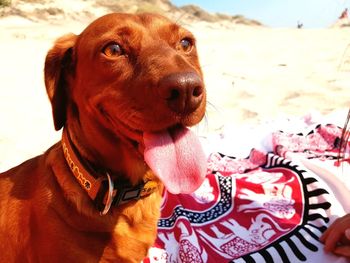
112,50
186,45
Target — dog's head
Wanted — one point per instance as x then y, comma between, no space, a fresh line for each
126,88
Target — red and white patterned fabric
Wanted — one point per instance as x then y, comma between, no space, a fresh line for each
267,207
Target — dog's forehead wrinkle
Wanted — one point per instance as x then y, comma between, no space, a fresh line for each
159,26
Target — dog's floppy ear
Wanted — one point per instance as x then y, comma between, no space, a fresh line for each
59,64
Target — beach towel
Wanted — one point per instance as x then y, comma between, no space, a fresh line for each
270,206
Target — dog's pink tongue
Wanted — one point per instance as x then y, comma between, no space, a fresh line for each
177,158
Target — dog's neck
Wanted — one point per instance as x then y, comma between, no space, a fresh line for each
103,148
99,185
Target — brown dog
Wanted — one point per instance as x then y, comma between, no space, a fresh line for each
124,90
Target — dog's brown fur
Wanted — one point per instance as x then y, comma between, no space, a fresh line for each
106,102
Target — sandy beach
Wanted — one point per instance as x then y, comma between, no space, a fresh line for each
252,74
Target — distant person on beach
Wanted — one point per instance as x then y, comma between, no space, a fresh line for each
336,238
300,25
344,14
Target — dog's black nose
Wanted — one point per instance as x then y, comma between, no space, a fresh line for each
183,92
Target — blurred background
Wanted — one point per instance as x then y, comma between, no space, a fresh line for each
262,60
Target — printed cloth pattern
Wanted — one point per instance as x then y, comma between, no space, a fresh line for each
263,208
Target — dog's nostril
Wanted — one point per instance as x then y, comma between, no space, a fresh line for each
197,91
174,94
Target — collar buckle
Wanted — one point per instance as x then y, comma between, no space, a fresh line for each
117,196
126,194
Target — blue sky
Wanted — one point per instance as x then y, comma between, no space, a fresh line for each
278,13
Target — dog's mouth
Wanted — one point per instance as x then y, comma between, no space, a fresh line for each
174,154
